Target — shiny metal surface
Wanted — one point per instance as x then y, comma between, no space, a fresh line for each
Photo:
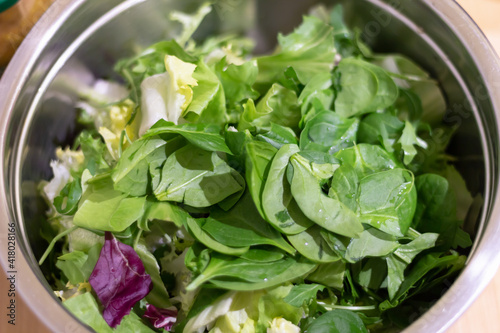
78,40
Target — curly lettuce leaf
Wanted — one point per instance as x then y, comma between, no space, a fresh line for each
309,50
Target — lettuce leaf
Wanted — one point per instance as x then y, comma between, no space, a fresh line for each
119,280
309,50
167,95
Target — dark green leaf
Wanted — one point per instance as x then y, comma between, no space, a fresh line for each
337,321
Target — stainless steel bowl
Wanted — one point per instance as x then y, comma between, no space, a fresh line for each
77,40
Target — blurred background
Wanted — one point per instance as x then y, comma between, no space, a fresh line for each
17,21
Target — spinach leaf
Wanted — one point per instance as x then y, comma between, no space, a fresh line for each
196,230
337,321
436,209
372,274
289,269
319,88
278,205
311,245
328,132
431,264
344,186
164,211
196,177
140,161
371,243
268,254
278,136
245,215
383,128
330,275
408,75
363,88
387,201
367,159
232,233
257,162
329,213
203,136
243,270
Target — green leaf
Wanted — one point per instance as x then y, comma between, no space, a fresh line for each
433,264
387,201
329,213
408,141
311,245
363,88
194,227
85,308
383,128
371,243
238,80
132,172
373,273
95,152
196,177
257,162
318,88
203,136
330,275
209,101
243,270
149,62
289,270
407,252
309,50
245,215
408,75
328,132
164,211
69,197
232,233
436,209
109,210
71,264
268,254
158,296
337,321
345,186
367,159
273,307
190,22
303,294
279,206
278,136
279,105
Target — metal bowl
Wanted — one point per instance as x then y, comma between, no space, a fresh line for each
78,40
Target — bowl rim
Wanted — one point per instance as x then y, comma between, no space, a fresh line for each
479,272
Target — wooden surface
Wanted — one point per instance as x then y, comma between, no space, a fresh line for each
482,317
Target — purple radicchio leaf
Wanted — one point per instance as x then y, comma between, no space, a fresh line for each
161,318
119,279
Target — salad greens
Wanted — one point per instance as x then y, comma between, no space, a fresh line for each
217,191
